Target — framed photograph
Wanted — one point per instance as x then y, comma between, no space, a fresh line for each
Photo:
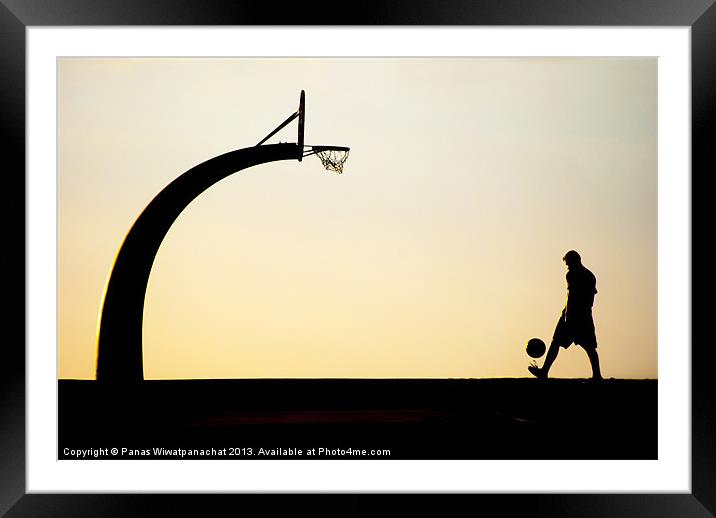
257,261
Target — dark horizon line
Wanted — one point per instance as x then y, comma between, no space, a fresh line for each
369,379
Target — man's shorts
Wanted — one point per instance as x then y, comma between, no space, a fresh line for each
579,330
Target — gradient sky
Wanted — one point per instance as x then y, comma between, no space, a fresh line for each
436,254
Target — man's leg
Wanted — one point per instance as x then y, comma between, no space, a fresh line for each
549,359
594,360
561,335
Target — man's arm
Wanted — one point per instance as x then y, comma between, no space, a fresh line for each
566,307
569,299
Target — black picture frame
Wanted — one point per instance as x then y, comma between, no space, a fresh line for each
699,15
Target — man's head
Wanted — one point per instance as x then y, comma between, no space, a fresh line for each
572,259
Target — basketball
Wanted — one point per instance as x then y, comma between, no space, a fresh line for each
536,348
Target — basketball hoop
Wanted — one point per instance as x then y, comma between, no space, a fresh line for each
332,157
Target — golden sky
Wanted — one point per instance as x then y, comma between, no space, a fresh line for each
436,254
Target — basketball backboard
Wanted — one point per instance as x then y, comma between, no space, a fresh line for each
301,123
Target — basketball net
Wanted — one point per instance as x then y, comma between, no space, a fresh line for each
333,159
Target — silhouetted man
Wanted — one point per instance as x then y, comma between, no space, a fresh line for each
575,325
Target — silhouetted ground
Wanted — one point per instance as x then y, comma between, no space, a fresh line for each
413,418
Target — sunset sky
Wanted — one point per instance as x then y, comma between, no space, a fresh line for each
436,254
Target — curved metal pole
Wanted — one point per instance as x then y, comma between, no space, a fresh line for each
119,342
